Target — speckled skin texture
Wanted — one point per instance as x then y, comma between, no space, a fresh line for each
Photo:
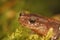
40,24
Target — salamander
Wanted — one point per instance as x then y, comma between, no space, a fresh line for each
40,24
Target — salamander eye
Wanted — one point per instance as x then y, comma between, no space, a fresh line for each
32,20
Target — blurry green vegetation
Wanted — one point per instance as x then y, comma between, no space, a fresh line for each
10,29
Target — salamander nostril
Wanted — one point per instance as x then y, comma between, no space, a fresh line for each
20,14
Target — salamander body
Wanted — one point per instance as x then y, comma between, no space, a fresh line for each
40,24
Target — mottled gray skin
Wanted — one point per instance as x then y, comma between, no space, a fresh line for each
40,24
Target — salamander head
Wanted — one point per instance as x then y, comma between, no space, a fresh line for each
33,22
29,20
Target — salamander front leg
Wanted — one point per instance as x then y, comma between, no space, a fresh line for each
55,37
